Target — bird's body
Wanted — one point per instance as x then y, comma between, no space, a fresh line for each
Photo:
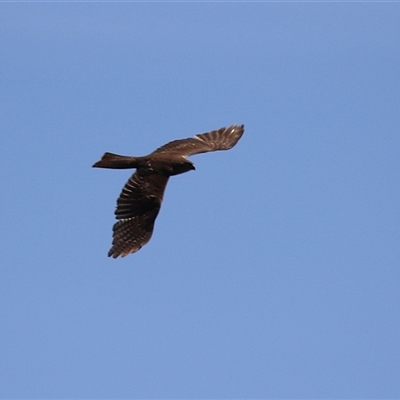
140,200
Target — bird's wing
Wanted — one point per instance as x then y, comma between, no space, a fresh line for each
221,139
137,208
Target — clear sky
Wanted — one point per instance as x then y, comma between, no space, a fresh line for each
274,269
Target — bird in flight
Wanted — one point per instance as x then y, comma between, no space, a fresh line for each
141,197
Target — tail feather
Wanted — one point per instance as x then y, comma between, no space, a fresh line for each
115,161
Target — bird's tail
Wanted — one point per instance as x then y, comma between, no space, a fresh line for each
115,161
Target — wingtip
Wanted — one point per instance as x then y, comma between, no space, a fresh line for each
237,126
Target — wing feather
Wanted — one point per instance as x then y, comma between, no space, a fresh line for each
137,209
221,139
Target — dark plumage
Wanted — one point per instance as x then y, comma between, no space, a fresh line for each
140,200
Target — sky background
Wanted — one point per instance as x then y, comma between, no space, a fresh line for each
273,271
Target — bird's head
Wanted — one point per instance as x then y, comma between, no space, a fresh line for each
182,166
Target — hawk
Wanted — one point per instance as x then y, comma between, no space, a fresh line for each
141,197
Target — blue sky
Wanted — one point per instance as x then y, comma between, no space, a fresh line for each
273,271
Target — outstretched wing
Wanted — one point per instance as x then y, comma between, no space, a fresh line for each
137,208
221,139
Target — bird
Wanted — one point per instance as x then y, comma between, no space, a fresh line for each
140,200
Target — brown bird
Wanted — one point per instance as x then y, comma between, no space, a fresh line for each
140,200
